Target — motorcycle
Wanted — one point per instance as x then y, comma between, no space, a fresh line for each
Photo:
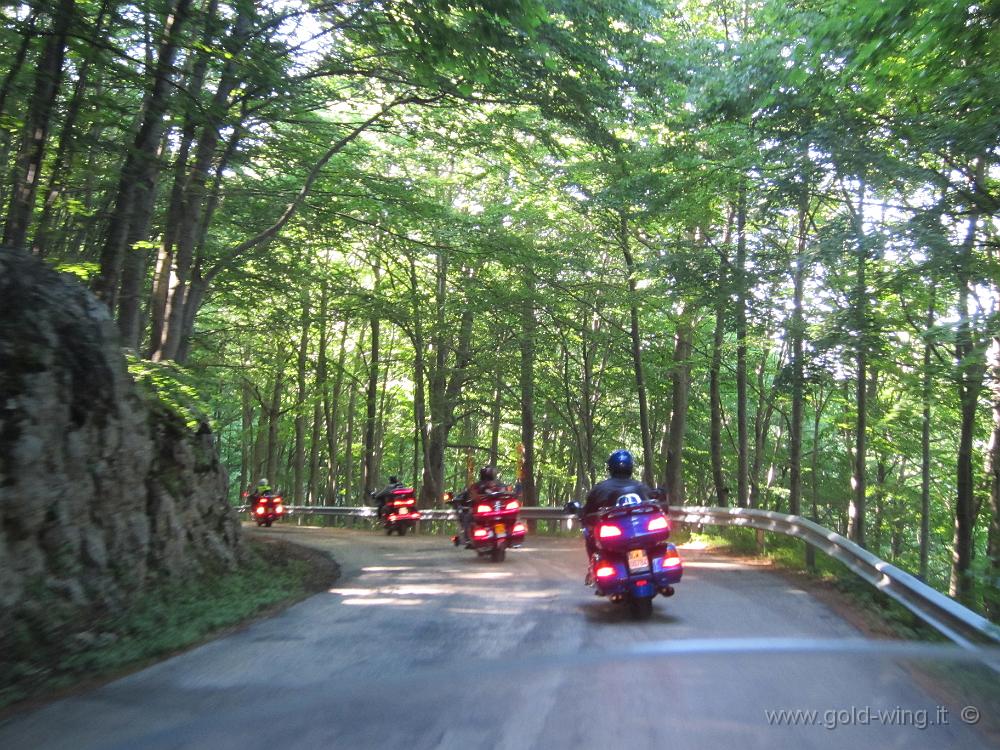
494,526
399,514
268,508
634,561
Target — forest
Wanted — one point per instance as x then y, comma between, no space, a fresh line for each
753,241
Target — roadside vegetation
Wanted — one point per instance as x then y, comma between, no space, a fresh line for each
58,653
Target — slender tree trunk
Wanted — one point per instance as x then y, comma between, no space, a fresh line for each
715,398
527,379
640,381
742,441
496,414
926,394
67,138
138,176
371,403
48,78
970,365
991,601
681,386
797,334
861,325
299,459
349,488
274,419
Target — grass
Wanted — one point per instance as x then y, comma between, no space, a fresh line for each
166,618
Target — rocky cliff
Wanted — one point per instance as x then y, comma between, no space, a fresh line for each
103,487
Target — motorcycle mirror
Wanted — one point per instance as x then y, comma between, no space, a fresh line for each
573,507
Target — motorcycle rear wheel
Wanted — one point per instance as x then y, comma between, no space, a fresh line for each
498,554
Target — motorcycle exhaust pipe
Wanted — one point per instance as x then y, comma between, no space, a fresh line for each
667,591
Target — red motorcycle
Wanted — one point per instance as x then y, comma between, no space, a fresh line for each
267,509
399,513
494,526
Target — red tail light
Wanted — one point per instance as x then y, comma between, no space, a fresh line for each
260,510
518,528
641,582
480,533
392,516
279,509
658,524
483,509
277,499
606,530
605,571
672,560
512,505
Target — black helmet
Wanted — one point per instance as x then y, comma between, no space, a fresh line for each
620,464
487,474
393,480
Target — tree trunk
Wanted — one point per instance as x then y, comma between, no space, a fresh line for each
926,394
861,325
138,176
48,78
371,404
797,334
991,602
742,429
527,380
715,398
970,366
681,386
640,381
63,157
299,457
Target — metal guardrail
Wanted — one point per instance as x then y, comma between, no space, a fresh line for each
959,624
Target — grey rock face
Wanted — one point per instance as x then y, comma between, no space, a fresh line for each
101,487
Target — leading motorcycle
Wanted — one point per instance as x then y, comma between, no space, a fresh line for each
267,509
634,561
399,513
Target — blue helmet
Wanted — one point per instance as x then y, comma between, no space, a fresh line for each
620,464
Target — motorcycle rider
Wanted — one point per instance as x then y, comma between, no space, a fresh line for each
605,494
382,495
262,488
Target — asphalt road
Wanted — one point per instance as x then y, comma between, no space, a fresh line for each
422,645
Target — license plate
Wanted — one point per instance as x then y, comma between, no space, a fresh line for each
637,560
500,530
403,511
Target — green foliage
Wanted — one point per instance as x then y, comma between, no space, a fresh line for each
172,388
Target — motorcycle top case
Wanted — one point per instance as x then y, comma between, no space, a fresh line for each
634,525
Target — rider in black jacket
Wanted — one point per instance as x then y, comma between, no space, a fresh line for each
606,494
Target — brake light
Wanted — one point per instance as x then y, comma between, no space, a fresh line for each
392,516
260,510
518,528
279,509
480,533
605,571
512,505
277,499
483,509
641,582
607,530
658,524
672,560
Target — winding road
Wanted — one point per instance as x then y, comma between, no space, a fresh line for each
422,645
